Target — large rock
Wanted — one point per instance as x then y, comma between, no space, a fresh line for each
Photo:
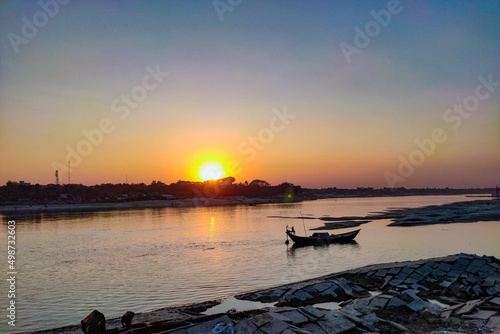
296,317
245,326
299,297
313,328
313,313
334,323
274,326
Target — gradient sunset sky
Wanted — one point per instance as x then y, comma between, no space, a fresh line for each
263,87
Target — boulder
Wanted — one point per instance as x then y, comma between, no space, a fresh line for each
334,323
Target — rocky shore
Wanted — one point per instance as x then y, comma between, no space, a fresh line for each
457,212
455,294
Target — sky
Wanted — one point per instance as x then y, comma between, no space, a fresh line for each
317,93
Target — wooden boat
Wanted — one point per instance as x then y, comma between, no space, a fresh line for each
322,238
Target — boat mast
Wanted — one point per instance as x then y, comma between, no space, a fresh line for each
305,233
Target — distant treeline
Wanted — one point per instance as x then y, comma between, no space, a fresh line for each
13,192
402,191
19,193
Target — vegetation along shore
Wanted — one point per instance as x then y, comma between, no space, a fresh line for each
25,197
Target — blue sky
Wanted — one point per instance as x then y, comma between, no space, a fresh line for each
353,120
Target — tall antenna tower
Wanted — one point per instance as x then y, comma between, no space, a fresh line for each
57,177
69,172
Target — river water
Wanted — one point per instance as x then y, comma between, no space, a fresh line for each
69,264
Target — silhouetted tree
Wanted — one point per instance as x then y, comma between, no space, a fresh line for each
259,183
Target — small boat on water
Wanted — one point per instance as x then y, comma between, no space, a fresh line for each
322,238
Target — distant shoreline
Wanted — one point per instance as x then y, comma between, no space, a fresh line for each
150,204
174,203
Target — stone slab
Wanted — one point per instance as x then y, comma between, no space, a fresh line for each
302,295
296,317
494,322
320,287
245,326
445,284
379,302
413,294
396,302
419,287
394,270
359,322
444,267
424,270
261,319
347,289
413,278
329,294
458,267
274,326
333,324
472,269
395,282
469,306
463,261
438,273
350,310
418,305
407,270
478,263
313,328
493,290
489,282
454,273
312,312
280,316
311,290
371,318
402,276
381,273
480,314
487,269
433,264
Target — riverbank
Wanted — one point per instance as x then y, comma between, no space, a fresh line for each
177,203
453,294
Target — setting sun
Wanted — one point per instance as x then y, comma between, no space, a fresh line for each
211,170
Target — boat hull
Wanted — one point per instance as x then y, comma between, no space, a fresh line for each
336,238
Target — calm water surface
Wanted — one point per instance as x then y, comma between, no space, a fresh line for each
140,260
